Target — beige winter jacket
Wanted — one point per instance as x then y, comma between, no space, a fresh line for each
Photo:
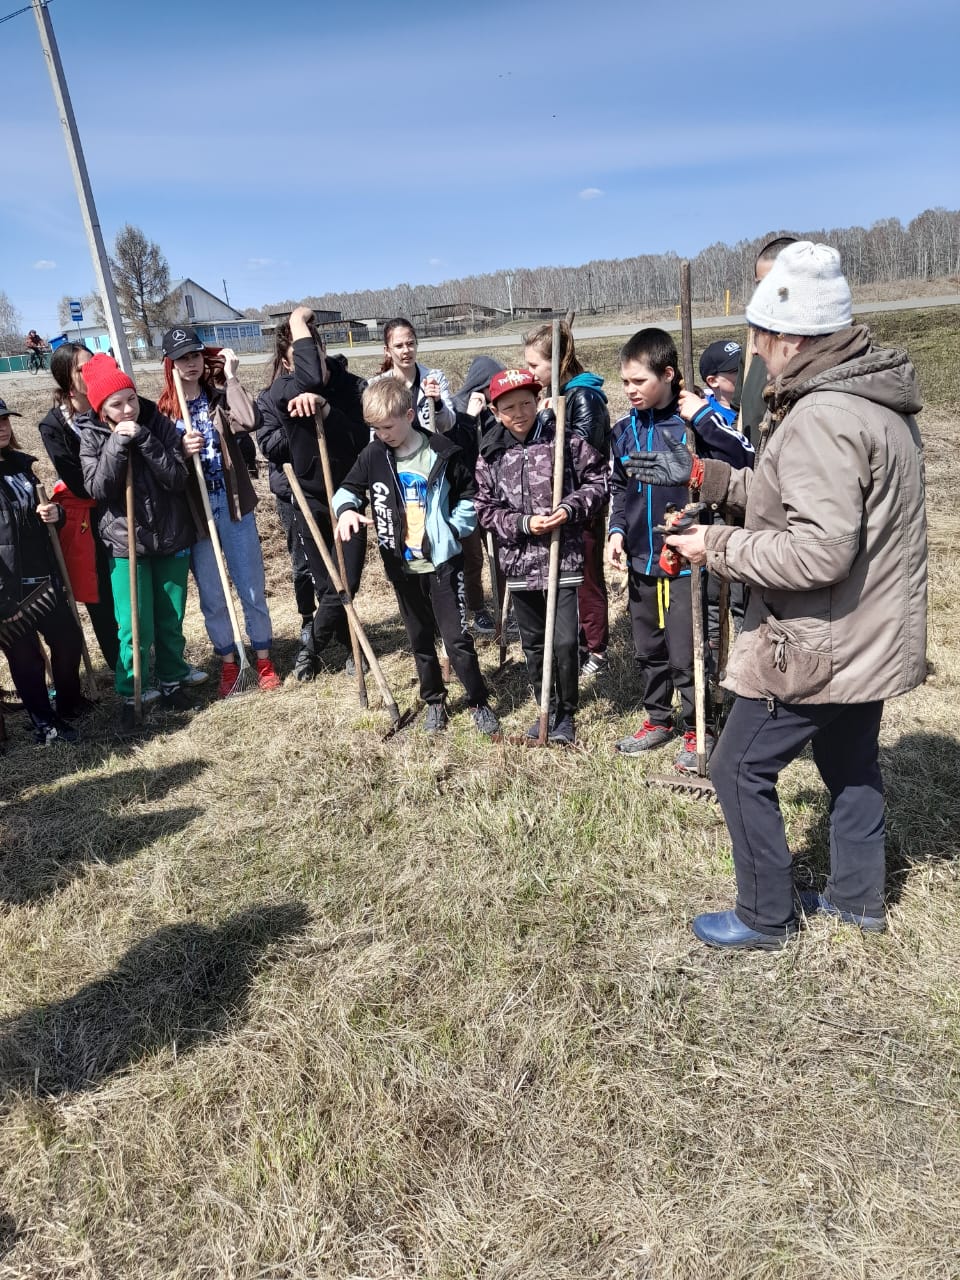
834,541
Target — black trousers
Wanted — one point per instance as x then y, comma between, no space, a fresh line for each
530,610
756,745
663,643
431,603
303,591
29,672
330,619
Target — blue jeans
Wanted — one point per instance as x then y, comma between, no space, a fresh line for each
241,550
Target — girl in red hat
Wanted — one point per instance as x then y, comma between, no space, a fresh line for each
124,431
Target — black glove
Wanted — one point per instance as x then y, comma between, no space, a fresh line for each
670,466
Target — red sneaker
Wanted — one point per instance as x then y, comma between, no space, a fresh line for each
267,677
229,675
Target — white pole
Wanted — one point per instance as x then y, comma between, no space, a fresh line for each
81,180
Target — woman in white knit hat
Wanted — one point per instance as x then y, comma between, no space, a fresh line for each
833,551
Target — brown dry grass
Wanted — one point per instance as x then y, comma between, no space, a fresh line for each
280,1000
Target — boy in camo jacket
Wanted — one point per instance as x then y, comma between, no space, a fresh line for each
515,500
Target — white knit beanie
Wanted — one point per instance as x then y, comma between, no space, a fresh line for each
804,293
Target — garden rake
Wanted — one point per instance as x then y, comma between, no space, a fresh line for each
247,679
699,784
399,721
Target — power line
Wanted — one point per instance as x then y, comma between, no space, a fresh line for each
17,12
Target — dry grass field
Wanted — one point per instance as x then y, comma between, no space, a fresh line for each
279,999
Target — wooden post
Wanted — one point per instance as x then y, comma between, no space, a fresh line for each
696,603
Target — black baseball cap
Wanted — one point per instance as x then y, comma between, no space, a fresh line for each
8,413
181,341
720,357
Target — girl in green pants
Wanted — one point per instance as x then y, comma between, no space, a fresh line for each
125,430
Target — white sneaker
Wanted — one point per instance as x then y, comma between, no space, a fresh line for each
195,675
149,695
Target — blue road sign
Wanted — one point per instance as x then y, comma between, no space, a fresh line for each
76,312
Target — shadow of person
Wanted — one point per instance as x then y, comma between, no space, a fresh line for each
48,838
182,986
920,772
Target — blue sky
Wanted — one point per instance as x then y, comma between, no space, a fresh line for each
299,147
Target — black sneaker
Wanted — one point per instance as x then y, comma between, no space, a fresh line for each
436,719
485,720
686,759
533,732
54,731
483,624
173,698
563,732
593,664
350,667
305,664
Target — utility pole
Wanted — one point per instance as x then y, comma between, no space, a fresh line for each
510,293
88,208
226,296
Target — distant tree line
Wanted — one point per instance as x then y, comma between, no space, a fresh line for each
928,247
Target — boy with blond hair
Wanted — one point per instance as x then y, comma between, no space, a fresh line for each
421,494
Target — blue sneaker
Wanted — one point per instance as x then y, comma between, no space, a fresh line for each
726,929
815,904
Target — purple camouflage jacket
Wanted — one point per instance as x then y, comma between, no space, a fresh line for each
515,481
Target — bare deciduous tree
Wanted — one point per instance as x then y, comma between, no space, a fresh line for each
11,326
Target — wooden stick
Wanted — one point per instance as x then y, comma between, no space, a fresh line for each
245,667
347,603
71,598
553,578
696,602
134,594
444,656
504,615
338,547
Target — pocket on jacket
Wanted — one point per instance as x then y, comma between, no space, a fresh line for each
793,668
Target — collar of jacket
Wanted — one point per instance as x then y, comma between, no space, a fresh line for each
498,439
811,360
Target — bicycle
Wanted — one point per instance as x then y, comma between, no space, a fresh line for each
37,360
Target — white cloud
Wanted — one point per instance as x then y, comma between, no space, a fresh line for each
257,264
435,262
44,264
591,193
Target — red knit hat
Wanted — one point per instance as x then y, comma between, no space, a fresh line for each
103,376
512,380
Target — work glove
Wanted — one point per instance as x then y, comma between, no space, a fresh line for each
670,466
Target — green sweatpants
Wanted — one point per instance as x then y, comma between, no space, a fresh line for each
162,593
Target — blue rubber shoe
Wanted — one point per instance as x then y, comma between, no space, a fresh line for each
726,929
815,904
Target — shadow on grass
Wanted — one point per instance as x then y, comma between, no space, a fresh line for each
182,986
47,839
920,773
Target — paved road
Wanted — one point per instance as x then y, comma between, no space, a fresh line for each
11,382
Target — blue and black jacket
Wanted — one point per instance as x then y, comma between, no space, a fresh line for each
635,508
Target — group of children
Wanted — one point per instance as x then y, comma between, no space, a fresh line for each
435,478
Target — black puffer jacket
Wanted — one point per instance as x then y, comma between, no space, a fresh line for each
164,519
62,444
346,432
587,415
25,549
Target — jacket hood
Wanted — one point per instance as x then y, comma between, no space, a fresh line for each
482,369
13,460
883,376
591,380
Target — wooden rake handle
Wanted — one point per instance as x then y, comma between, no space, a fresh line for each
334,576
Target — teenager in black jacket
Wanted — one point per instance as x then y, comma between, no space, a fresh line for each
61,439
32,599
317,384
